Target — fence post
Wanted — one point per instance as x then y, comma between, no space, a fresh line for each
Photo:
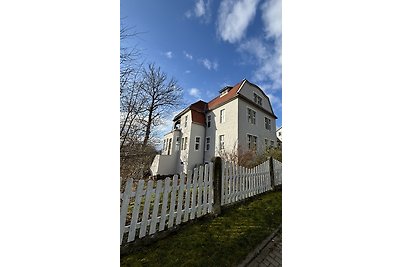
217,185
271,173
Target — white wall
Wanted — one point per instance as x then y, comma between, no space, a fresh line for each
185,132
196,156
229,129
164,164
258,129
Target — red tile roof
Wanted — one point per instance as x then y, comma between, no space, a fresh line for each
219,100
198,117
199,108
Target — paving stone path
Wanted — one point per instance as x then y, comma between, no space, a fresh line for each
270,255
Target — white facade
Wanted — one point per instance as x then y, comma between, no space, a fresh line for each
241,117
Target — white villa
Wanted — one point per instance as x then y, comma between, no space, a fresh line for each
241,116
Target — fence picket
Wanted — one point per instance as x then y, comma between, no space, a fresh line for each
268,180
228,179
223,181
187,196
154,216
145,216
234,183
135,212
167,183
257,174
126,196
180,198
210,188
172,201
205,191
200,191
194,190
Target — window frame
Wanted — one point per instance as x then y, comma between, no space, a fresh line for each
207,144
197,143
222,116
177,143
267,123
252,142
223,141
209,121
257,99
252,116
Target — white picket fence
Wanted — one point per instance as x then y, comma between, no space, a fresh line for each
165,205
239,183
277,171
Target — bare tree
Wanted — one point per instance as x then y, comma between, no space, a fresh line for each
131,101
162,96
146,95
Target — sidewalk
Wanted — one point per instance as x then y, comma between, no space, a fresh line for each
268,253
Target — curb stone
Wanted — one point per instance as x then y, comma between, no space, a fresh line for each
260,247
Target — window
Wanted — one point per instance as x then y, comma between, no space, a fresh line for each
182,143
251,116
221,142
209,121
222,115
186,119
272,143
185,143
280,134
267,123
169,146
177,144
197,143
252,142
257,99
207,143
266,143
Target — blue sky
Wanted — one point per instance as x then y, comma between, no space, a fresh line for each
207,44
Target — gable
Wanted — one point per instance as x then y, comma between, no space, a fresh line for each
248,90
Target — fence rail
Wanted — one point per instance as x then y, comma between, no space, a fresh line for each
152,209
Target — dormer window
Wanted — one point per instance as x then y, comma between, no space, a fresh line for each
257,99
223,93
224,90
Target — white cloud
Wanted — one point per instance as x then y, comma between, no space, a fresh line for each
168,54
275,101
272,18
234,17
268,61
188,14
201,10
187,71
194,92
208,64
187,55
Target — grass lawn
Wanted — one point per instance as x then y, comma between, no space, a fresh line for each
222,241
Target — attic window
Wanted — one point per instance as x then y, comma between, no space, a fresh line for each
223,93
257,99
224,90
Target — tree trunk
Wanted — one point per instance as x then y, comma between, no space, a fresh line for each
148,126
